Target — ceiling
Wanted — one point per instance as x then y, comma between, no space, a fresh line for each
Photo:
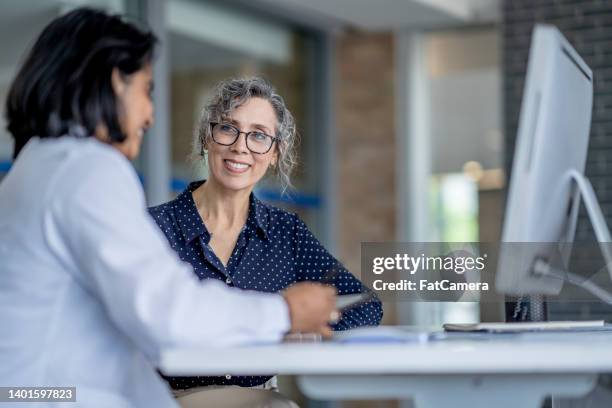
382,14
22,20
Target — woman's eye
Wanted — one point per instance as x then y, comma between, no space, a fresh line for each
226,128
260,137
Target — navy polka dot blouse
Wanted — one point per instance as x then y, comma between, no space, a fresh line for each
274,250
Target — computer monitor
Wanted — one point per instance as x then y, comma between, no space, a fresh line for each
547,172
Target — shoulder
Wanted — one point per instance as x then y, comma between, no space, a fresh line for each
282,224
92,169
277,217
283,217
90,160
162,209
163,214
98,155
90,180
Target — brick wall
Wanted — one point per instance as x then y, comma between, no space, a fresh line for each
365,144
587,24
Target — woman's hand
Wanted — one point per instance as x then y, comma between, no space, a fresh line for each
312,307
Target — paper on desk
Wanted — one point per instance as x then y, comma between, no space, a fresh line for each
380,334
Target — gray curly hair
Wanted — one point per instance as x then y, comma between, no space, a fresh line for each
231,94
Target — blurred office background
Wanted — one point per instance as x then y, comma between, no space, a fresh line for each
407,109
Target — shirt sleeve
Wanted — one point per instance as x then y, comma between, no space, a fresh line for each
315,263
152,296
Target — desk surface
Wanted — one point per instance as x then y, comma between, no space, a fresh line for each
522,353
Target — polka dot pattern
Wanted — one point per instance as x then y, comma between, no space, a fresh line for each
274,250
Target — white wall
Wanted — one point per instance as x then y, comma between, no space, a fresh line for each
465,99
466,125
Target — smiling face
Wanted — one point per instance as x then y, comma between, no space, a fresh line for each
235,167
135,108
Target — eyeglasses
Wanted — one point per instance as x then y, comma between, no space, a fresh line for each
226,135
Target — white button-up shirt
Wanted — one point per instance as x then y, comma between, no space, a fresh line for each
90,290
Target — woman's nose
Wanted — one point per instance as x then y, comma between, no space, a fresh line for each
239,145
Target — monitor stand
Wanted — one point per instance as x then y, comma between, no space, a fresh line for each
543,268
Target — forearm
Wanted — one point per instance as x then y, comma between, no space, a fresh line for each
367,314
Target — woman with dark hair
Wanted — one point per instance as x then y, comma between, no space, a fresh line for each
90,291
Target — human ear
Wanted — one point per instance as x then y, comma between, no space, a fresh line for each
117,82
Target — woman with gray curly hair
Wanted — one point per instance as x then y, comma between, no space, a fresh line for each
233,93
222,229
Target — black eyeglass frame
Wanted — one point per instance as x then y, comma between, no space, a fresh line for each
239,132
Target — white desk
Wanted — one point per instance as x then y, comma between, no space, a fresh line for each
501,373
